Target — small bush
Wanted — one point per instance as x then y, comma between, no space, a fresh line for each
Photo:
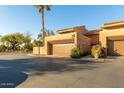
96,51
75,53
2,48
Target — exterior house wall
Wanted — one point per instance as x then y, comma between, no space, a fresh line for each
72,37
105,33
80,29
58,39
81,38
94,39
83,43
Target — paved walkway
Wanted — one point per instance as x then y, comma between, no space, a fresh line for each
28,71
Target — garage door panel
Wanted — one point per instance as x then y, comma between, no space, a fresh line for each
62,49
116,47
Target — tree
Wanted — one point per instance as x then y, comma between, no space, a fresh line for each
17,41
41,8
47,33
12,41
27,45
37,43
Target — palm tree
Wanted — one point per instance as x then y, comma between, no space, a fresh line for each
47,33
41,8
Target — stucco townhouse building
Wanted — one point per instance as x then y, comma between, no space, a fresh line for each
110,36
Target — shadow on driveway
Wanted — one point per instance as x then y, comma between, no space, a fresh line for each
11,79
15,71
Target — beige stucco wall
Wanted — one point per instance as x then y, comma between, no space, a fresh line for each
80,29
74,37
36,50
83,43
107,33
42,50
58,39
77,36
94,38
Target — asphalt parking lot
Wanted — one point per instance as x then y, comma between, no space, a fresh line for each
21,70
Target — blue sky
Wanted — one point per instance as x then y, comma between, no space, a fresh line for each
28,19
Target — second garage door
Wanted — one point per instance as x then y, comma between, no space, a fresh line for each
62,49
115,47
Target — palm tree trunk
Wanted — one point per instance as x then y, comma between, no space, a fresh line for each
43,30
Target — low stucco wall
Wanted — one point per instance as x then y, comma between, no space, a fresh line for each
38,50
42,50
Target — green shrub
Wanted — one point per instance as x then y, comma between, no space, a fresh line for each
37,43
96,50
2,48
75,53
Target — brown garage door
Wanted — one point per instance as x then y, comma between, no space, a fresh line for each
62,49
115,47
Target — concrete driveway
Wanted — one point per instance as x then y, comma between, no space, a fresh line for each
26,71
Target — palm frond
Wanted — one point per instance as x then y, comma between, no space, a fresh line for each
47,7
38,7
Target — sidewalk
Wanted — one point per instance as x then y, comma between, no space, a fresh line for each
87,58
